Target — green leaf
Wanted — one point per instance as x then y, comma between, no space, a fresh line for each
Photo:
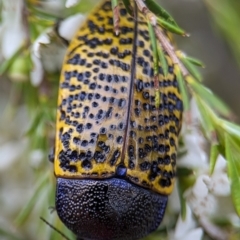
182,87
114,3
214,152
223,222
206,117
194,61
186,179
35,123
170,27
231,128
232,155
155,63
157,98
154,48
159,11
22,216
127,5
163,61
207,96
191,68
183,204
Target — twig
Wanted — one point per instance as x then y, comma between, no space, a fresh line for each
162,38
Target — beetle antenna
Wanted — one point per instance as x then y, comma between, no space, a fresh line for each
54,228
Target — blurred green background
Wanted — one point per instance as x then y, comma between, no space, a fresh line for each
215,39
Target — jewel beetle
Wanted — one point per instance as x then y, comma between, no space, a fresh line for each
115,150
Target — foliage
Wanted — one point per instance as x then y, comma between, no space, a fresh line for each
216,129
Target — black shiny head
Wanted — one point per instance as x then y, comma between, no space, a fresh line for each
110,209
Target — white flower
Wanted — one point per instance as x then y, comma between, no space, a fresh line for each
71,3
196,156
36,75
37,72
69,26
46,55
199,199
48,52
202,197
12,33
209,197
186,229
174,201
52,6
220,184
212,230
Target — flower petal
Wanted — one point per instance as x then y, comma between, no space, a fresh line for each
71,3
12,33
195,234
184,226
36,75
42,39
69,26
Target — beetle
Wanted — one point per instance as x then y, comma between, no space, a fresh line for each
115,150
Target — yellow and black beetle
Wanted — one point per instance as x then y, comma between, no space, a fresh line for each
115,151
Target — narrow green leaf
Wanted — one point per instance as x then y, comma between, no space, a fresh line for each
163,61
232,155
35,123
159,11
186,179
223,222
206,118
155,63
157,98
22,216
214,152
114,3
207,95
231,128
182,87
128,6
194,61
154,48
30,95
170,27
183,205
191,68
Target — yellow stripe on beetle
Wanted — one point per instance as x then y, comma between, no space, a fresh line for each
115,151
